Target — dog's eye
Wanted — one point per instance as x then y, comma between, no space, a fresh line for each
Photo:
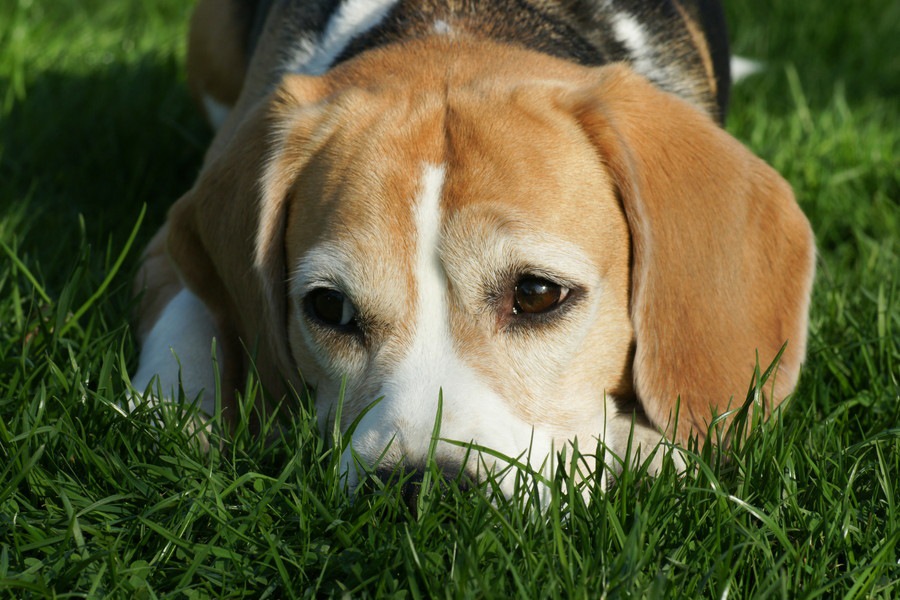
534,295
330,307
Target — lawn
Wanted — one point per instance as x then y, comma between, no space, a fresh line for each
98,137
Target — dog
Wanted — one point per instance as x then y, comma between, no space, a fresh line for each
518,221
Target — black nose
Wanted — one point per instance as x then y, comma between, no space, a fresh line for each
410,480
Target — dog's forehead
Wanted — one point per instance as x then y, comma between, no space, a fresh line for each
511,163
527,163
361,179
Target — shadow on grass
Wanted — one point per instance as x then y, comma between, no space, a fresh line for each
99,145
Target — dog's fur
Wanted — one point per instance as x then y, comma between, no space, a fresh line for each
425,159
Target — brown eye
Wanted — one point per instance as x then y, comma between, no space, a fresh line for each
330,307
534,295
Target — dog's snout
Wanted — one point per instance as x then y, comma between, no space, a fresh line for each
410,482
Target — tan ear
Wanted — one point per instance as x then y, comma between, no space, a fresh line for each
226,237
723,258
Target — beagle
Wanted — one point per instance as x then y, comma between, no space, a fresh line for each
524,212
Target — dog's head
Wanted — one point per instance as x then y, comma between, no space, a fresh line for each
527,237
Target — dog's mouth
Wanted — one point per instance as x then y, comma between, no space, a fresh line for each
438,480
414,482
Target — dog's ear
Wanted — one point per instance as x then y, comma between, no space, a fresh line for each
722,256
226,235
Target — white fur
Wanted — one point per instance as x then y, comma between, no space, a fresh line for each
216,112
631,34
442,27
401,425
301,52
741,68
178,350
641,49
352,18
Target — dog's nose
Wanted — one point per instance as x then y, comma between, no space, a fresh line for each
410,480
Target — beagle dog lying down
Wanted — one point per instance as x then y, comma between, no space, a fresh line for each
527,208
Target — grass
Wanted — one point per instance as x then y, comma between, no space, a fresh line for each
95,125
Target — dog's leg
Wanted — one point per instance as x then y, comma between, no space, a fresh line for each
178,350
644,439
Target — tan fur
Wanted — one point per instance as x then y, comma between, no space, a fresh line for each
723,256
212,240
700,251
698,40
215,56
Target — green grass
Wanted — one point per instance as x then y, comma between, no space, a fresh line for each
95,124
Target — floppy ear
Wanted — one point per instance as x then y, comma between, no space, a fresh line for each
226,236
722,256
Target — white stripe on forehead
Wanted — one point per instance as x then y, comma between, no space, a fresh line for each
431,283
431,352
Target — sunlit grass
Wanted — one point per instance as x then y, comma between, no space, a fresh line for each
96,129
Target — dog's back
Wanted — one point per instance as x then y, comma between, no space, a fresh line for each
680,46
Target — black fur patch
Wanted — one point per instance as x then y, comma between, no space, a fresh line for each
582,31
